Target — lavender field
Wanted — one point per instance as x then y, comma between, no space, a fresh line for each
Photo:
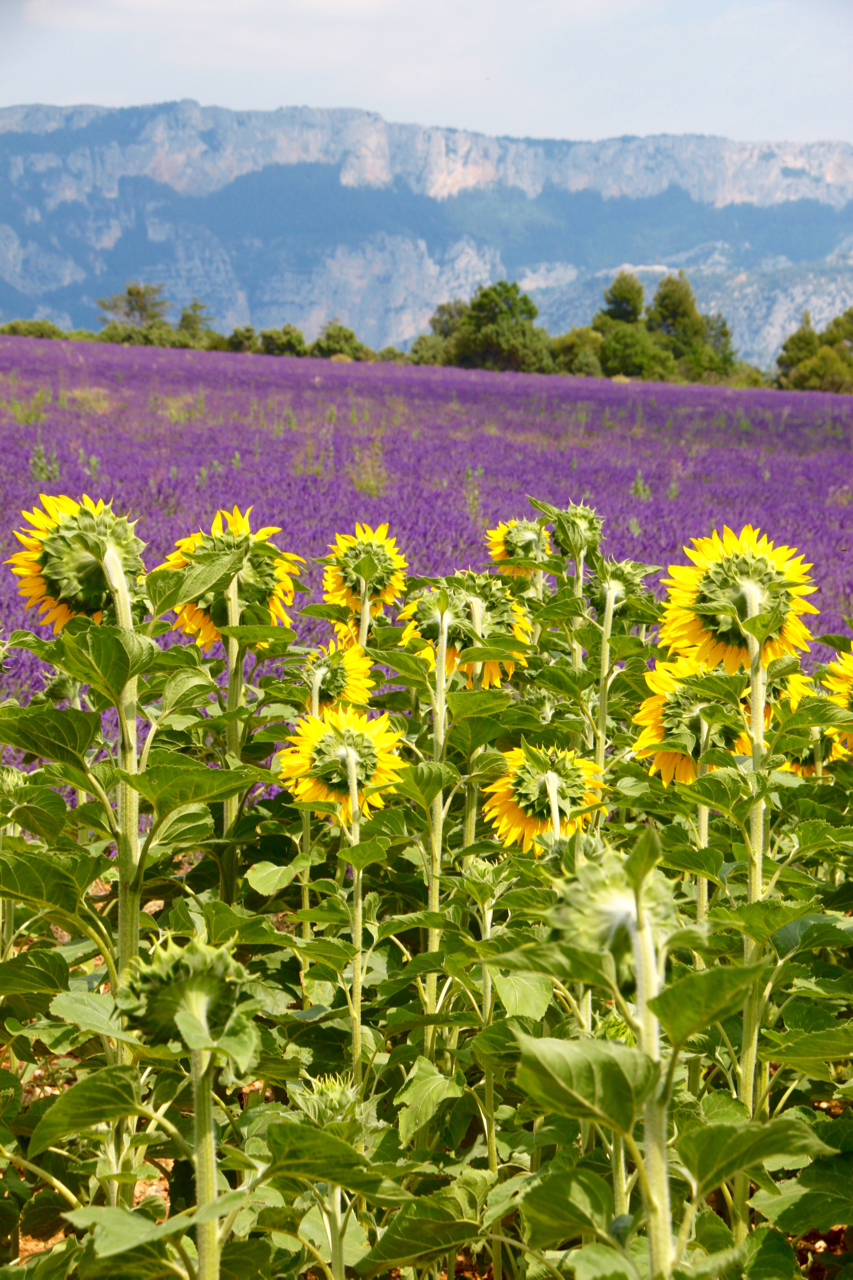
437,453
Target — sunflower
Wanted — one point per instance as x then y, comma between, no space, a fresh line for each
803,763
519,804
671,712
264,583
672,727
315,766
340,675
707,603
61,566
370,555
839,678
472,598
518,539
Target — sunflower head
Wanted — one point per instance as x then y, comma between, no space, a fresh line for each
265,576
601,904
838,679
368,557
624,579
315,767
804,763
518,539
734,578
197,979
519,804
62,565
474,606
577,528
339,674
672,726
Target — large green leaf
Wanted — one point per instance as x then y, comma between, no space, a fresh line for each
312,1155
106,657
560,1205
714,1153
422,1095
108,1095
40,810
759,920
118,1231
267,878
820,1198
523,995
769,1256
422,782
167,787
419,1233
554,959
696,1001
587,1079
599,1262
63,736
92,1013
808,1051
33,971
40,881
471,702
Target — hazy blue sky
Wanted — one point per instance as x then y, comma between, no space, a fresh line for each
748,69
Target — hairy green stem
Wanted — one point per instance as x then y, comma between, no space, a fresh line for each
336,1235
305,881
658,1210
357,921
755,892
577,652
621,1195
552,783
129,891
702,814
207,1233
231,806
489,1089
604,674
436,821
364,615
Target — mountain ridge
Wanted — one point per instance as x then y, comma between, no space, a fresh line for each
376,222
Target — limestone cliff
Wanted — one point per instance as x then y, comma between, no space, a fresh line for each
300,214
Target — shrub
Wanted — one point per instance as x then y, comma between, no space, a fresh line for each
32,329
287,341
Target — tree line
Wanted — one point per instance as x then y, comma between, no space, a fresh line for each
665,340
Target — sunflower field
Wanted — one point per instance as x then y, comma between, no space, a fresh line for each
363,919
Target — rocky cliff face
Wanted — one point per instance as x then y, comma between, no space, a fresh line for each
298,215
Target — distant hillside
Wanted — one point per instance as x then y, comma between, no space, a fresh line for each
299,215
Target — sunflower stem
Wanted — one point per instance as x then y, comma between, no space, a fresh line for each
436,822
231,806
207,1233
755,891
577,652
357,923
552,783
305,881
658,1210
469,820
316,681
702,813
364,615
128,798
604,674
